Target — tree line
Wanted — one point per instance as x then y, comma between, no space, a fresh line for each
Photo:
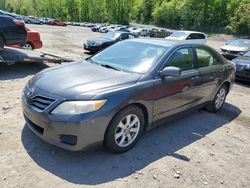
228,16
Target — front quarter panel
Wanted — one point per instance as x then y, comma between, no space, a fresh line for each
117,99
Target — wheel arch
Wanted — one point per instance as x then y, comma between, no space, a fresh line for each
138,105
227,84
4,40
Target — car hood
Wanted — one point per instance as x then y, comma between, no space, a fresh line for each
80,78
242,60
234,48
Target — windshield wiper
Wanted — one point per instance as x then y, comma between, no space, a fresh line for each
110,67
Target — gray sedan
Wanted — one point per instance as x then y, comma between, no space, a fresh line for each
116,95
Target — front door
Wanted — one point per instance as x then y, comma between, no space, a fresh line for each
175,94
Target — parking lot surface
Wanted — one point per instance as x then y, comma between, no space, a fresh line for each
200,149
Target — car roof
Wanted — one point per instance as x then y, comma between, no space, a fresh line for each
168,42
160,42
189,32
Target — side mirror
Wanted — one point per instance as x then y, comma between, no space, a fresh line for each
170,71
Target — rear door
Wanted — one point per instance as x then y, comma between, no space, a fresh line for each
175,94
210,70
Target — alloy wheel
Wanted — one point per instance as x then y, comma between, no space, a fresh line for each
127,130
220,98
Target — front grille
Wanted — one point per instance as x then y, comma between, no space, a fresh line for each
40,103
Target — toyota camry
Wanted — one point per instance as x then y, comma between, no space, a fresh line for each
114,96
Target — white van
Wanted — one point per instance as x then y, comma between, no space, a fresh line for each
192,36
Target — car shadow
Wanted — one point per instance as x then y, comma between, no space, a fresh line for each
99,166
20,70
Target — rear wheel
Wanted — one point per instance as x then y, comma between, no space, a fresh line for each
28,46
124,130
219,100
1,42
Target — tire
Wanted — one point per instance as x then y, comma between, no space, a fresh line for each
219,100
28,46
127,134
28,22
1,42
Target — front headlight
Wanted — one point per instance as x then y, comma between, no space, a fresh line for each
78,107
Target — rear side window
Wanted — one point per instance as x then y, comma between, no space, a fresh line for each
206,58
183,59
131,36
195,36
124,36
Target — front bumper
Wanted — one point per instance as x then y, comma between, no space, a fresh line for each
69,132
242,75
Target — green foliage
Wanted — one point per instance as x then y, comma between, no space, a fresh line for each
230,16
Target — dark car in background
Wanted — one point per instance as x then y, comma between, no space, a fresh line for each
97,44
122,91
234,47
12,31
242,65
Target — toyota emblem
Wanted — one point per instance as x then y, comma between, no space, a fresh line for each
30,92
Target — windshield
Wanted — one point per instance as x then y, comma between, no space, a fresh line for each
247,54
111,35
239,43
130,56
178,34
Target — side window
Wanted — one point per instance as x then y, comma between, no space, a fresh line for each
191,37
182,58
206,58
131,36
124,36
201,36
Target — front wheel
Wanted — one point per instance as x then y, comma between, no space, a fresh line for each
124,130
219,100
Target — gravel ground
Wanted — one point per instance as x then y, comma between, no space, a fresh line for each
197,150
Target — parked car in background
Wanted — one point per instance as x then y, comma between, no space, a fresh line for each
56,22
124,29
117,94
103,29
135,31
234,47
13,15
12,31
242,65
32,20
191,36
33,40
97,44
45,20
